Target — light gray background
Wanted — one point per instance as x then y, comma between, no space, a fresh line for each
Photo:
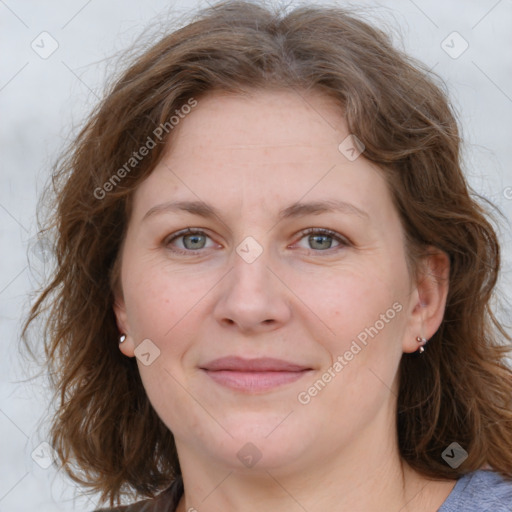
43,101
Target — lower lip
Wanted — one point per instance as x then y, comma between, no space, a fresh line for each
254,381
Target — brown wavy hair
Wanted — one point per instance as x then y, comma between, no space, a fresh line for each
105,431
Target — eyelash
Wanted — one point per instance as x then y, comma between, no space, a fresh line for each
343,242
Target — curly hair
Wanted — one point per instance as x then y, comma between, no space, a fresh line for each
105,431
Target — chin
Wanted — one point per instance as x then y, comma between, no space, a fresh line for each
260,454
264,441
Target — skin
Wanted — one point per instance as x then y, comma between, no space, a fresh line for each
303,300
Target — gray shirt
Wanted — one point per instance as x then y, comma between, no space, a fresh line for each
480,491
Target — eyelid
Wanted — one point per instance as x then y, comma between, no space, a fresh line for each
342,240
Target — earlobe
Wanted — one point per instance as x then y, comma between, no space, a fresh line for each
431,293
126,345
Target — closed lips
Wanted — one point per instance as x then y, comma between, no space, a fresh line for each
238,364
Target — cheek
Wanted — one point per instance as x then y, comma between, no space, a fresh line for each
158,298
356,303
164,306
367,315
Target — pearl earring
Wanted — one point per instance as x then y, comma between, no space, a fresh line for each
422,341
122,338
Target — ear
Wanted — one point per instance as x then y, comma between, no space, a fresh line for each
128,346
428,298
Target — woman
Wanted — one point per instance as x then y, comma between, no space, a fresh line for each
273,285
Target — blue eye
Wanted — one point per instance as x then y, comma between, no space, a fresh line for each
196,241
192,240
322,239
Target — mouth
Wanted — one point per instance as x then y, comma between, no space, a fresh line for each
254,375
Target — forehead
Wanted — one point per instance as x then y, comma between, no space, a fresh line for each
256,149
261,119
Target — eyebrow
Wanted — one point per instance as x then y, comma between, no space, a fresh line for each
295,210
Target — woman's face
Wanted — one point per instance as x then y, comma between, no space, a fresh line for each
296,253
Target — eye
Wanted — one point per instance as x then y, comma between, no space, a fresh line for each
189,241
193,241
322,239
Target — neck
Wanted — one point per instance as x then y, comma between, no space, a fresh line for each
364,476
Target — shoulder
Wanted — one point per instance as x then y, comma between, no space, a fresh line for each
480,491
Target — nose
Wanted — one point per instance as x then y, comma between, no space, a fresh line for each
252,297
